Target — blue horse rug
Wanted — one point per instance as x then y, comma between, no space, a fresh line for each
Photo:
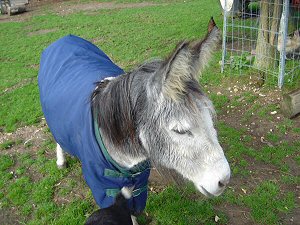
69,69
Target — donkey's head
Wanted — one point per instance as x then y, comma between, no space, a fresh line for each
159,112
177,129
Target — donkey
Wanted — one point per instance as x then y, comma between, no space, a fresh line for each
118,123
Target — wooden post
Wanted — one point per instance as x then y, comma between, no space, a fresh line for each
290,105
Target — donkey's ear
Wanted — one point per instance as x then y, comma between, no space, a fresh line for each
176,70
187,61
202,50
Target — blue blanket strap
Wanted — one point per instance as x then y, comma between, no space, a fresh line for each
114,191
116,174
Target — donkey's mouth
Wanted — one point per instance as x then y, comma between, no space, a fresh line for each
205,192
208,194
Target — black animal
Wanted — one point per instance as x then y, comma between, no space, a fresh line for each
117,214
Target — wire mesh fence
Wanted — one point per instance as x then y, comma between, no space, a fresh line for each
262,38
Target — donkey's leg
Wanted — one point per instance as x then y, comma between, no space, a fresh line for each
61,160
134,220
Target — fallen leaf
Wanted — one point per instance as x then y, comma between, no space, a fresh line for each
244,190
217,218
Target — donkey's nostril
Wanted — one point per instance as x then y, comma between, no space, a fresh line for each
221,184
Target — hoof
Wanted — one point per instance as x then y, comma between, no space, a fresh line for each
61,166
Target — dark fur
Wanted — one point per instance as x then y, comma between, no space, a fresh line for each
117,115
117,214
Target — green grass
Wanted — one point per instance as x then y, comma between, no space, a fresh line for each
9,143
272,137
5,162
219,101
285,126
41,194
166,207
130,36
33,196
24,103
19,190
265,112
266,203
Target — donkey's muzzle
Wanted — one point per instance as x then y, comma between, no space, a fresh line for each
215,179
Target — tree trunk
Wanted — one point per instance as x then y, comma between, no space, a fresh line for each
270,13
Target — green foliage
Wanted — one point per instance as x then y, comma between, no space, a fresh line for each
254,6
296,129
44,213
297,159
34,198
242,61
289,179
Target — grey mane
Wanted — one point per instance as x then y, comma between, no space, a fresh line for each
118,105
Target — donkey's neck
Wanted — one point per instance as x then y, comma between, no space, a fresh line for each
119,104
123,157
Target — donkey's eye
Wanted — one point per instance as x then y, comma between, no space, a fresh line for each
182,132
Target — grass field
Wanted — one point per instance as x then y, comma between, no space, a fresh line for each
261,145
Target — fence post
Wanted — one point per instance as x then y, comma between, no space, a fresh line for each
225,12
284,24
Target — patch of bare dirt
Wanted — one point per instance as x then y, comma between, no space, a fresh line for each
157,183
33,135
28,139
78,190
294,167
237,214
259,172
7,217
61,7
22,83
258,127
33,8
97,40
40,32
293,218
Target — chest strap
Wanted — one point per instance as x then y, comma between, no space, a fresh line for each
114,191
118,171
